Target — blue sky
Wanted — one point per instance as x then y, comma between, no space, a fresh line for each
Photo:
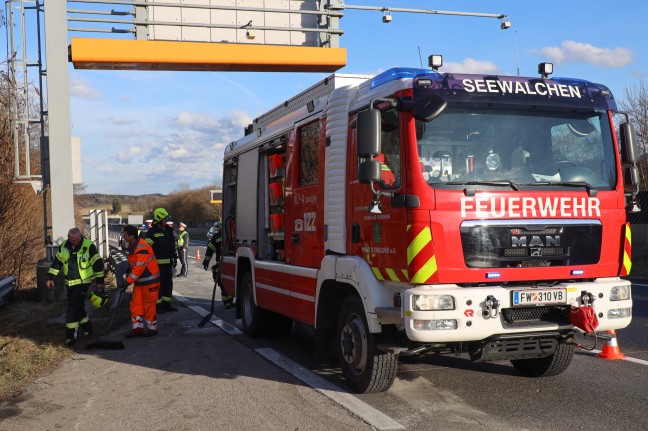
155,132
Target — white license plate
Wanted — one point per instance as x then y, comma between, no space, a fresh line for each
539,296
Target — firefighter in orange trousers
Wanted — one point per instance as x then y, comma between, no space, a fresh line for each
145,275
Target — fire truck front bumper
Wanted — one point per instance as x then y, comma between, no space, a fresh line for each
450,313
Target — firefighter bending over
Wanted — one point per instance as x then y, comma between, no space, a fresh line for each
215,246
81,262
145,275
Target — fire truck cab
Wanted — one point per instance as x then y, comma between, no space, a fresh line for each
419,211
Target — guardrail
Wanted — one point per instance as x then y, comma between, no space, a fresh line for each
7,286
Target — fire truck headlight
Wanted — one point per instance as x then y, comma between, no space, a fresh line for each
620,293
432,302
435,325
619,313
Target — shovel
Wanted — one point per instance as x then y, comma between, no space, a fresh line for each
103,342
207,318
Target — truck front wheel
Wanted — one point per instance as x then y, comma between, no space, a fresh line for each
547,366
363,366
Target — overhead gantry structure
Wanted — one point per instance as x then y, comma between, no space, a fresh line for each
199,35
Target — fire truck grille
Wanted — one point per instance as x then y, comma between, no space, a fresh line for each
524,252
530,243
535,316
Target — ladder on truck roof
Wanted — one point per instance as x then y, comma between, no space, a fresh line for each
321,89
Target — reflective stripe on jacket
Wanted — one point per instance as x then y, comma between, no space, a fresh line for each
183,239
144,267
163,244
88,263
214,246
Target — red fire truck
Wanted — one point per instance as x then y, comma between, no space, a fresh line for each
417,211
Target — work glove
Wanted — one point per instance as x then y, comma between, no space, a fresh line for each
205,265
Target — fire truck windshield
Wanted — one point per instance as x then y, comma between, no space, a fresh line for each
526,147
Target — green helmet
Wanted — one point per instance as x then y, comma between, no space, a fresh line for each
97,300
160,214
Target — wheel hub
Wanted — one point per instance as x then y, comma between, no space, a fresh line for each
353,343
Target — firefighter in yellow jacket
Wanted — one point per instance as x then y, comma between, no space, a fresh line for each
81,263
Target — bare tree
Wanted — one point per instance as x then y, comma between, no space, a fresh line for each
21,210
192,206
636,105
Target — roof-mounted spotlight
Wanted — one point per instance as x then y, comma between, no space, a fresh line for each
435,61
545,69
505,23
387,17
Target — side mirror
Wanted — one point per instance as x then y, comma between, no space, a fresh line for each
631,178
370,172
368,133
429,108
628,149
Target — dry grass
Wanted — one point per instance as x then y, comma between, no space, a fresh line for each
31,340
30,347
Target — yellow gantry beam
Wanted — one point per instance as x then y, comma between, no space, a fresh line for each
95,53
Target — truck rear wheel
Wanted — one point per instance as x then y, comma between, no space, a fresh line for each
364,367
252,317
258,321
547,366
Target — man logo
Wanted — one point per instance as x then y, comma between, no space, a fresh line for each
536,252
535,241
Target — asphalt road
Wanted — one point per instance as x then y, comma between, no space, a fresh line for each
453,393
212,378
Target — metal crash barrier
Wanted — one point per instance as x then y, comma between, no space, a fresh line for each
7,286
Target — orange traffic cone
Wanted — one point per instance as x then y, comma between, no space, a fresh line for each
611,348
197,254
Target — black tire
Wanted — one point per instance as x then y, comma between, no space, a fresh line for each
252,317
258,321
365,369
547,366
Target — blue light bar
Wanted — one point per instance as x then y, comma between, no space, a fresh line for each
396,73
577,272
493,275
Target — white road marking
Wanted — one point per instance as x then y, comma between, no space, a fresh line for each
338,395
627,358
225,326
